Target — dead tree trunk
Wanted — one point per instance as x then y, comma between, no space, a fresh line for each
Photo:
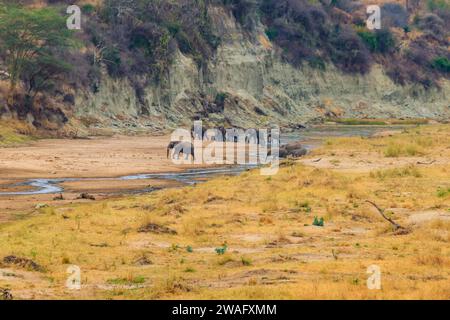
381,212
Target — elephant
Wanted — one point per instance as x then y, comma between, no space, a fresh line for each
295,150
181,147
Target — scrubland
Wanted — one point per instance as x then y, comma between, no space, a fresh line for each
253,236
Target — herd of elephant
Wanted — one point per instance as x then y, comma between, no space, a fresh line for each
294,150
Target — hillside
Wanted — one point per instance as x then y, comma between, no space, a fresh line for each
152,65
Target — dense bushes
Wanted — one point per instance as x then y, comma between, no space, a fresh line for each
348,52
441,63
381,41
433,25
308,33
393,15
139,37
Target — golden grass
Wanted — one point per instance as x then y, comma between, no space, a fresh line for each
14,133
410,142
272,249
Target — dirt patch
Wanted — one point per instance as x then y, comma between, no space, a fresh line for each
156,228
22,263
425,216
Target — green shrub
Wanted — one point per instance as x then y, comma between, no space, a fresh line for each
272,33
88,8
443,192
385,40
317,63
220,98
126,281
318,222
369,39
111,57
441,64
246,261
438,5
381,41
222,250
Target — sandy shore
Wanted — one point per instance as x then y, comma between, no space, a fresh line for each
95,157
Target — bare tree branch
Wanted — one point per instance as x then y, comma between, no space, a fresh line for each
381,211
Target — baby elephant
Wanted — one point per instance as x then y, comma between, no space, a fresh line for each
179,147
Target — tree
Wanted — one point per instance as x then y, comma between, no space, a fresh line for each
29,41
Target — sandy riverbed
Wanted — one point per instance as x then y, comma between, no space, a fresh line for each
95,157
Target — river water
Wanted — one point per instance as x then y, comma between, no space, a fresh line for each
311,138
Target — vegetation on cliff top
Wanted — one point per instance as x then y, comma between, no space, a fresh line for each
138,39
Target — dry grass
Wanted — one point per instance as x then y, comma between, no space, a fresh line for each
272,249
13,133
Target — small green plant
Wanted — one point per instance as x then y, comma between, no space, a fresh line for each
127,281
318,222
246,261
392,151
88,8
189,270
221,250
189,249
443,192
301,206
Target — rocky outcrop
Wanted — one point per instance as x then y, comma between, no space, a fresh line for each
257,88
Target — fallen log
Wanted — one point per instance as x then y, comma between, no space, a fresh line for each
381,212
426,163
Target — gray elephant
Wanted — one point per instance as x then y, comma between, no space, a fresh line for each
294,150
179,147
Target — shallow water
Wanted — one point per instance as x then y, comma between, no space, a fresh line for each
311,138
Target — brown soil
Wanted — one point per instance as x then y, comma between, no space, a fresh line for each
95,157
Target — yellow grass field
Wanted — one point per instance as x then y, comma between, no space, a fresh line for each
252,236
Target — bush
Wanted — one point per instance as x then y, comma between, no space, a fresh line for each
441,64
272,33
317,63
349,53
385,41
381,41
111,57
220,99
393,15
318,222
438,5
443,192
88,9
432,24
221,250
369,39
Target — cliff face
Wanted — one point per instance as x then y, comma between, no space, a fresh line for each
247,83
